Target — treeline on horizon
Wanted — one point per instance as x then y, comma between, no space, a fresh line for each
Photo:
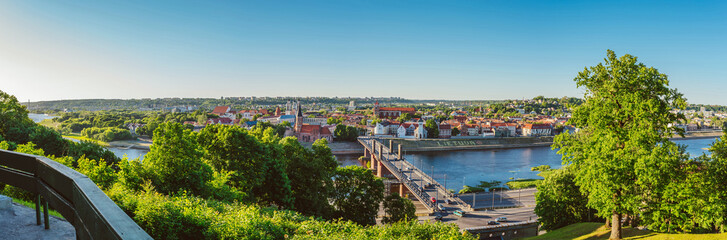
226,182
243,103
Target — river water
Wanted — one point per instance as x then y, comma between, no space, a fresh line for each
470,167
39,117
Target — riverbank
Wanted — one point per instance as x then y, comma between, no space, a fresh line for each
698,135
341,148
141,144
435,145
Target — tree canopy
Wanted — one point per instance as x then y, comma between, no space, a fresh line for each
625,119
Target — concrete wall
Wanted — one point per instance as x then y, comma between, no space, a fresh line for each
425,145
506,231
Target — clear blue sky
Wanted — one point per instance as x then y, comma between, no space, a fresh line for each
413,49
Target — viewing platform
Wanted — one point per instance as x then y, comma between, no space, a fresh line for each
91,213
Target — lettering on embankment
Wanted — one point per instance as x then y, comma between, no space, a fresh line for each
458,143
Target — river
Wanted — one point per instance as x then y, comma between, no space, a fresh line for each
39,117
472,166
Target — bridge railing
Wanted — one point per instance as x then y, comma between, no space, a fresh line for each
413,187
72,194
386,153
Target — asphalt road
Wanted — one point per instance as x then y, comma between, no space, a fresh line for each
505,199
510,207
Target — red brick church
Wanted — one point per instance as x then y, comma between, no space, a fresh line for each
309,132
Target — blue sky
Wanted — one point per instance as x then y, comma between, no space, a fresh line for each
412,49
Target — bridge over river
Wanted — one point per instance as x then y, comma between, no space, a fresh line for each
387,162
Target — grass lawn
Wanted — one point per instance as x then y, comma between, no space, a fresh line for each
49,123
523,183
597,231
82,138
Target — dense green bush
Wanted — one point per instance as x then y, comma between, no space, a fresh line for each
107,134
185,217
470,189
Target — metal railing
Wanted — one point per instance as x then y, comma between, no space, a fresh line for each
72,194
371,144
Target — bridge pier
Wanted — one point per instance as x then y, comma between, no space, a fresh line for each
379,168
400,157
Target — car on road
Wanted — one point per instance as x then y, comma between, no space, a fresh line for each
492,223
459,213
440,207
501,219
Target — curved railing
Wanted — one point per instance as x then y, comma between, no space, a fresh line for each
72,194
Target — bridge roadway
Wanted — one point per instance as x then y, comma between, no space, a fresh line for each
421,185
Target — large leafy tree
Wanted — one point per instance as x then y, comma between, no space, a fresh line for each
625,117
432,128
174,163
13,119
310,173
398,208
231,148
358,195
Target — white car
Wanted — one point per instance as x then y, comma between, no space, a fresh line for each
501,219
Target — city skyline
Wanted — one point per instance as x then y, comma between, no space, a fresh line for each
414,50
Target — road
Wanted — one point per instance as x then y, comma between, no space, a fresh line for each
505,199
509,207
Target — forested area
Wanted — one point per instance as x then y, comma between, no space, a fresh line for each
226,182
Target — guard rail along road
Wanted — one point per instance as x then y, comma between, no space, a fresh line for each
72,194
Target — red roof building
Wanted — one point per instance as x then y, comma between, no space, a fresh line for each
221,110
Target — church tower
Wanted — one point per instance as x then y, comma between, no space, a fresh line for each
376,109
298,118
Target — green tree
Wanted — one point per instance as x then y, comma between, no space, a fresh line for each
310,173
626,115
455,131
404,117
174,162
358,194
489,185
397,209
346,133
541,168
559,201
432,128
202,119
332,121
14,122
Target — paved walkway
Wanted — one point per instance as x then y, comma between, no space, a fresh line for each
18,222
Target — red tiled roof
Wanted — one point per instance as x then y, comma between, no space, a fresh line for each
537,126
397,109
221,109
